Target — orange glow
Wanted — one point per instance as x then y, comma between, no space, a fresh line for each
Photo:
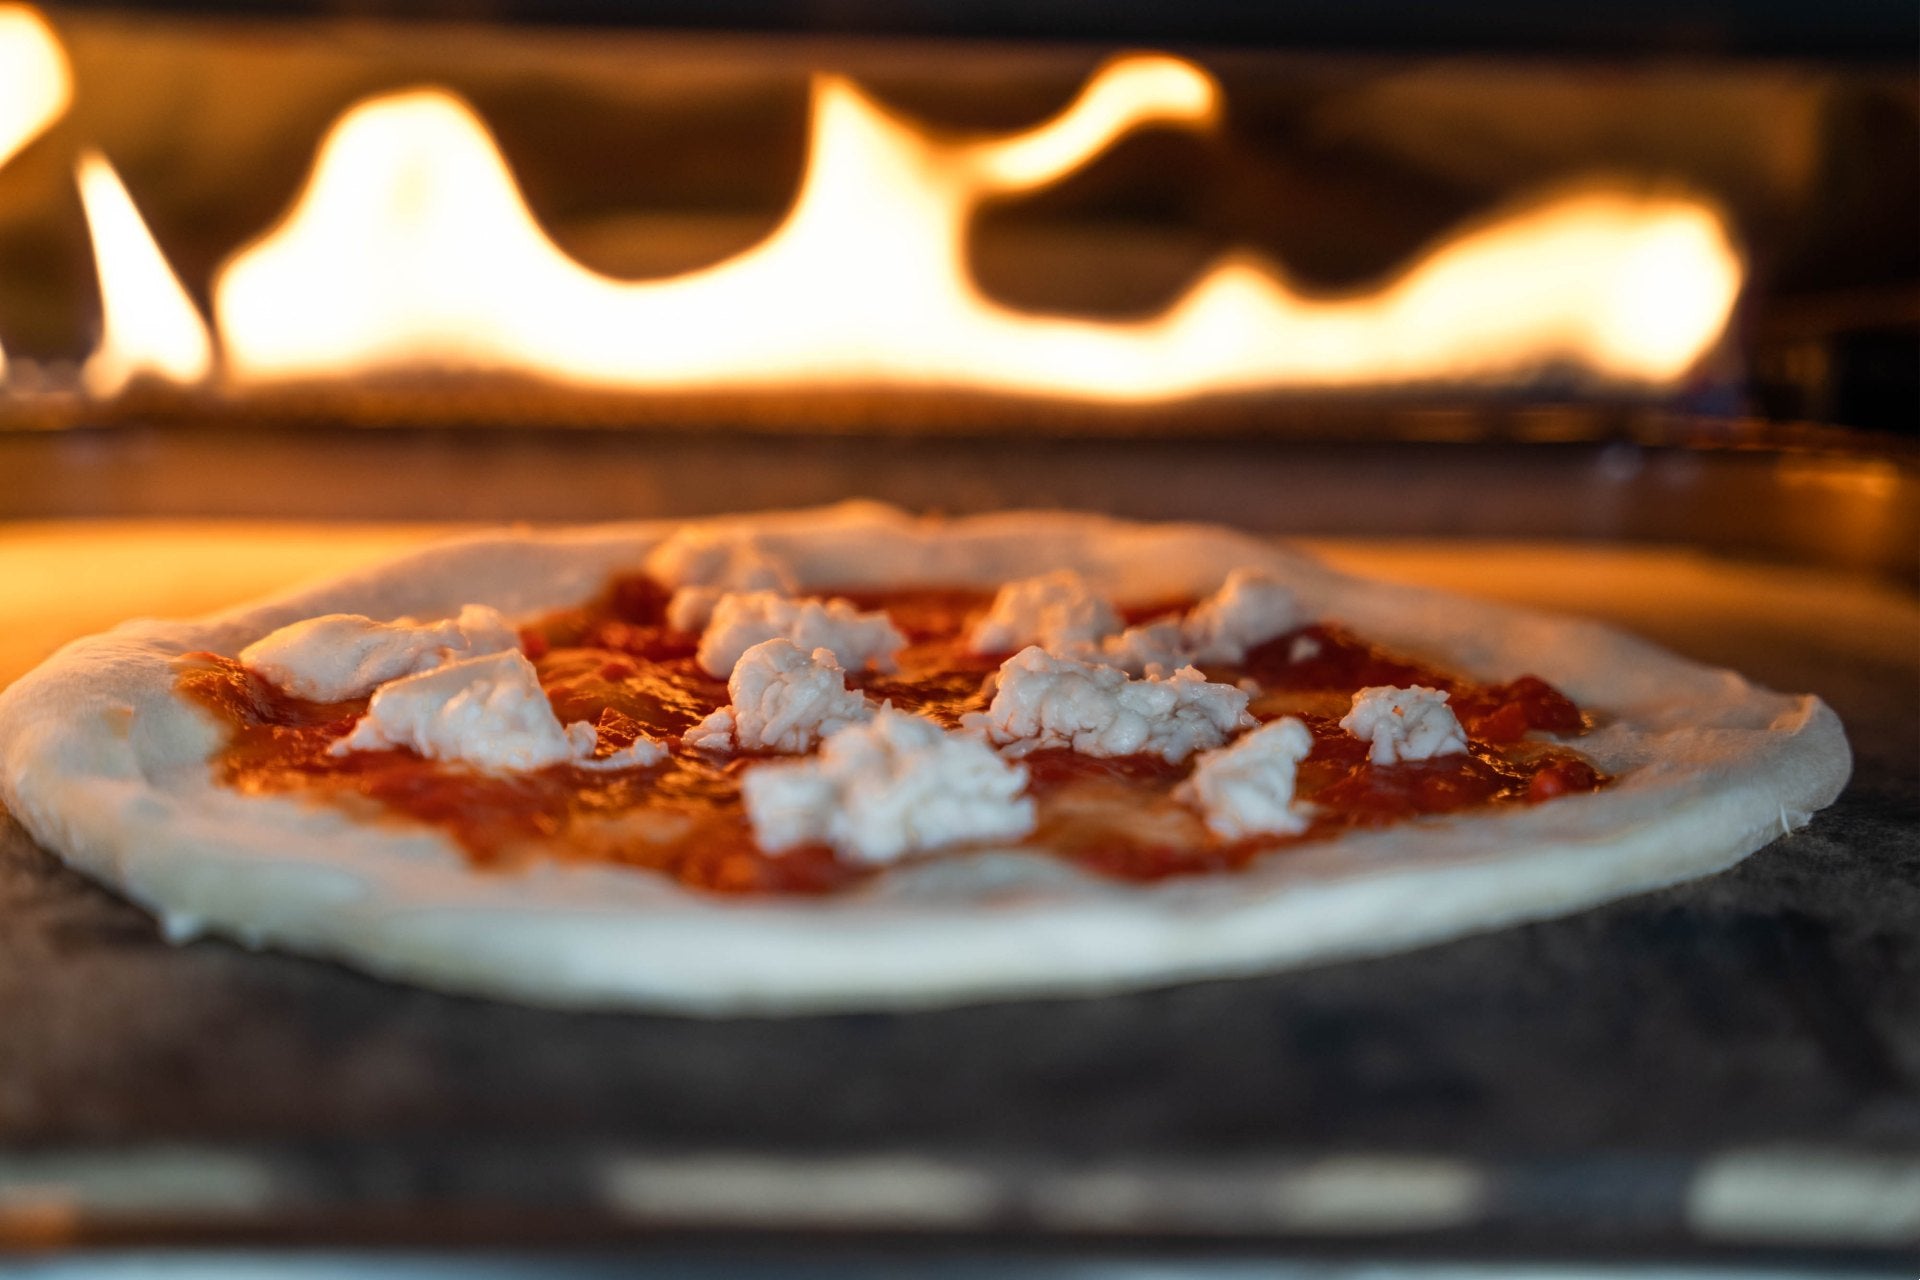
411,248
35,85
148,324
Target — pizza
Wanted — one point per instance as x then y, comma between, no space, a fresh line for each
854,759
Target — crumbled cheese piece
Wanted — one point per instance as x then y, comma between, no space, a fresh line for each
703,565
736,561
741,621
1250,608
895,785
714,732
345,655
1055,610
638,754
783,700
691,608
1150,650
1303,649
1247,789
1414,723
488,711
1044,701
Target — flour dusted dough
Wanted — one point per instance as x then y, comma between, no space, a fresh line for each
105,765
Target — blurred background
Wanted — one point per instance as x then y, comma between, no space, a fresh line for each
1340,146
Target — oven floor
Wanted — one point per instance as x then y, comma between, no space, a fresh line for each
1728,1065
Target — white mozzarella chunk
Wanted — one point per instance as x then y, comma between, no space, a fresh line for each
783,699
1250,608
703,565
895,785
1303,649
741,621
1055,610
735,561
1044,701
641,753
1414,723
691,608
713,733
489,712
345,655
1246,789
1150,650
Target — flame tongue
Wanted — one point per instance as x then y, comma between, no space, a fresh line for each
149,325
35,84
412,247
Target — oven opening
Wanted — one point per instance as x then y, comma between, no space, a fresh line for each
399,222
429,269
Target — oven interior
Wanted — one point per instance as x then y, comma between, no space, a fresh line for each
232,361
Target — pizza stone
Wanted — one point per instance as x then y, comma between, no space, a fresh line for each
106,766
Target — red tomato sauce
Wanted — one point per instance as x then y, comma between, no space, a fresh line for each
616,664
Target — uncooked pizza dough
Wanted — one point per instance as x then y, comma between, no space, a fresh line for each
107,766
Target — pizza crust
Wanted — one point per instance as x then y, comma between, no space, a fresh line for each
104,764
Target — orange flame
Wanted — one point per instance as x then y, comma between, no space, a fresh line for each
412,248
35,85
148,324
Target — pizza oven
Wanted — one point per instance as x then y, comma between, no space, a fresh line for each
1615,311
407,266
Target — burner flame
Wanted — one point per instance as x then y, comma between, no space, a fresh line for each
149,325
412,249
36,86
412,246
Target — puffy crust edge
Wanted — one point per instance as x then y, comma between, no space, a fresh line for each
104,765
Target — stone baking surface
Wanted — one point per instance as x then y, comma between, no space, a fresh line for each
1778,1003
